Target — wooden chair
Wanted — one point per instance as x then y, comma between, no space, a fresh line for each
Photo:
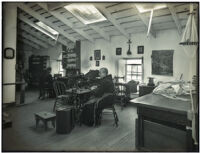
60,91
105,103
121,93
48,90
131,89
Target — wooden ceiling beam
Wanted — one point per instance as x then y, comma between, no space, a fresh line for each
175,18
53,6
100,32
67,22
44,20
29,43
111,19
30,23
71,25
36,34
31,38
152,31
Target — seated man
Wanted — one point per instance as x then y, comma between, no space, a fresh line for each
105,86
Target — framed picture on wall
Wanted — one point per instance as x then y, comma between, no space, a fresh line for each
162,62
9,53
118,51
140,50
97,63
97,55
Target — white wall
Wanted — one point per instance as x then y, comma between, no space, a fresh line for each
166,39
9,40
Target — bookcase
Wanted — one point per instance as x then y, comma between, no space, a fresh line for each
71,59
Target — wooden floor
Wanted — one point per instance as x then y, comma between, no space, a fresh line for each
23,136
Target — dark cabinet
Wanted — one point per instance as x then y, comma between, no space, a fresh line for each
144,90
37,65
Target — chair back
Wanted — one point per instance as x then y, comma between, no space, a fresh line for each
132,86
108,99
59,88
120,89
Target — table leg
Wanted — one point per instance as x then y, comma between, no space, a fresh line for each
189,139
45,125
37,121
141,131
53,123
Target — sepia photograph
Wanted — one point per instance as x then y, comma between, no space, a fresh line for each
76,77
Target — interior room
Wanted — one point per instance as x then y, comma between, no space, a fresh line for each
101,76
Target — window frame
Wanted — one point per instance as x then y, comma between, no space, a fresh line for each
142,64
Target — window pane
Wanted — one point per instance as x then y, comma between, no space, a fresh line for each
134,61
139,78
133,77
128,78
139,68
128,67
134,68
121,80
129,74
136,73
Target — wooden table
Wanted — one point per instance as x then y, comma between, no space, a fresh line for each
45,117
78,93
80,97
162,124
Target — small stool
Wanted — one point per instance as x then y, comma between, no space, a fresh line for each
45,117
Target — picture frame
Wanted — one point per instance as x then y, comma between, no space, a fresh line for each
97,54
9,53
97,63
140,49
118,51
162,62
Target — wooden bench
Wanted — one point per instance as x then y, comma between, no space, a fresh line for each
45,117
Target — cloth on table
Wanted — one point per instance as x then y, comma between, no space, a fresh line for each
173,90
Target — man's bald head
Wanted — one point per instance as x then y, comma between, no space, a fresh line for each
103,72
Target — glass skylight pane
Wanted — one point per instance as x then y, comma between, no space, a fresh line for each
47,28
45,32
86,13
147,7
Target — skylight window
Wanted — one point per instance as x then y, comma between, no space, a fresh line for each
47,30
147,7
86,13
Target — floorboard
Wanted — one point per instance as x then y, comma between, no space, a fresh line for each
23,136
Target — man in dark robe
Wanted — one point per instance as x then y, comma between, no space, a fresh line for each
105,86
